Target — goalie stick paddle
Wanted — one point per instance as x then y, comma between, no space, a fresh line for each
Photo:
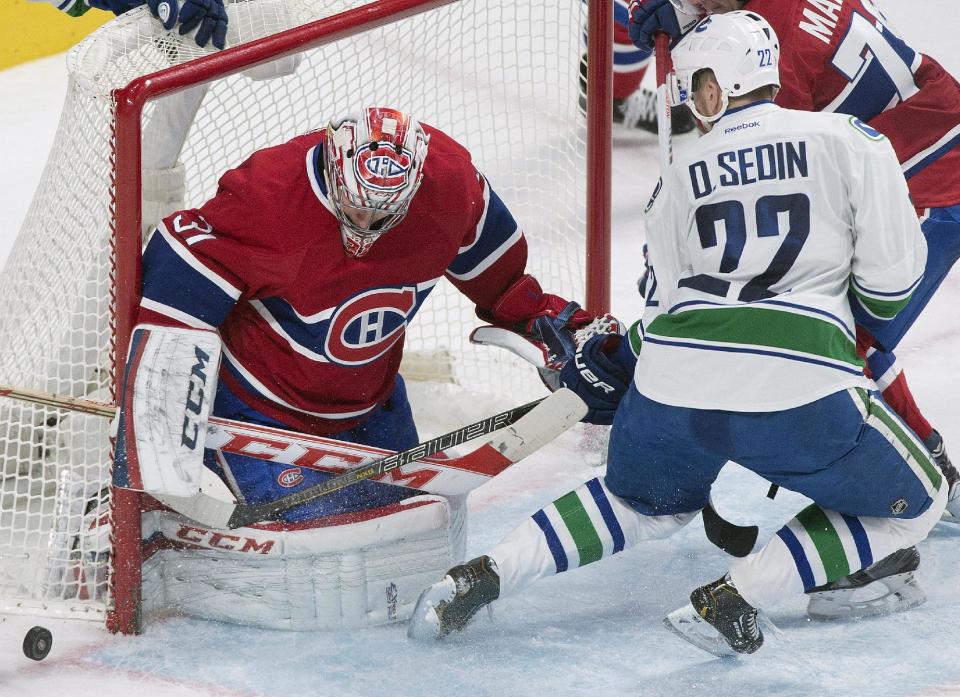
664,63
245,514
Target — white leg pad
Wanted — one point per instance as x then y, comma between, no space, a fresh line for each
303,577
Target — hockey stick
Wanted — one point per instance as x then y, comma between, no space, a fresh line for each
661,42
548,418
520,441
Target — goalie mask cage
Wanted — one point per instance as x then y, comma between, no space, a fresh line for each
147,109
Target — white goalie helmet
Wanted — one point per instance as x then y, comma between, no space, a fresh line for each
373,166
742,50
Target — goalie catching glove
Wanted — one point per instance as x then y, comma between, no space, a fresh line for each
600,374
543,329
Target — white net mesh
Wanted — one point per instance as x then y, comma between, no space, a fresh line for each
498,75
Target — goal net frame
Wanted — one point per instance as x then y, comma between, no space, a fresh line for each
123,611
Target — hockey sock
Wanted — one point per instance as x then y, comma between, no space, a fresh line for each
581,527
820,546
883,368
899,398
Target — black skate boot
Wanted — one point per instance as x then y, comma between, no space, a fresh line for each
718,620
883,587
449,605
934,443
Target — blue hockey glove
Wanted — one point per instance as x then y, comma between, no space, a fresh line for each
600,374
647,17
117,7
209,15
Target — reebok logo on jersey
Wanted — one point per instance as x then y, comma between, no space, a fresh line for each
742,127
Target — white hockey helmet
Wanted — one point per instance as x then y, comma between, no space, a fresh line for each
373,166
742,50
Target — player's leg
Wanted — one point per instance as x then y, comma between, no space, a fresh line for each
884,368
634,98
641,498
391,426
881,494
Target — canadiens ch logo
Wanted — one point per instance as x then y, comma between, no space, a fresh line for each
383,169
365,327
290,478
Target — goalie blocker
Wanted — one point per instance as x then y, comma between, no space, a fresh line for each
352,570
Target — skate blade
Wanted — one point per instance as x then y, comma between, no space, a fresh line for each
687,624
425,623
902,593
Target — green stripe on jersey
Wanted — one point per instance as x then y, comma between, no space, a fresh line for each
826,540
760,326
636,340
78,8
577,520
884,309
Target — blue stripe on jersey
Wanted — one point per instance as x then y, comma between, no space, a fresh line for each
606,510
887,294
799,557
171,281
498,226
880,362
760,352
932,157
365,328
553,541
860,539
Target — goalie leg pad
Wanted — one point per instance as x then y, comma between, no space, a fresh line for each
346,572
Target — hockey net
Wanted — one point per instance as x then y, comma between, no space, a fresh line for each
149,110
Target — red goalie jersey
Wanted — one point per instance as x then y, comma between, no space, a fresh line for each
312,335
843,56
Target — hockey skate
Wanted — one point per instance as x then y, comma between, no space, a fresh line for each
934,443
884,587
449,605
718,620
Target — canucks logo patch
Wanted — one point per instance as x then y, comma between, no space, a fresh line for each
871,133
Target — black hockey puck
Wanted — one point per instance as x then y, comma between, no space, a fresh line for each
37,643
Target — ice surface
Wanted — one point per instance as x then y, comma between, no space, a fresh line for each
596,631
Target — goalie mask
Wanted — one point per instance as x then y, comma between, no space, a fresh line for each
373,166
740,48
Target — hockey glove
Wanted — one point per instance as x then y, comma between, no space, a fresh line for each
209,15
647,17
553,326
600,374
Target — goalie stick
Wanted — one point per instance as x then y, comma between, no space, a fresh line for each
547,419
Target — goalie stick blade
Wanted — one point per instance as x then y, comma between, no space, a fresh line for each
735,540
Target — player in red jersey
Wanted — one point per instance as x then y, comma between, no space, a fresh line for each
312,258
843,56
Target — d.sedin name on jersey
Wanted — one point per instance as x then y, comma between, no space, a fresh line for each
768,161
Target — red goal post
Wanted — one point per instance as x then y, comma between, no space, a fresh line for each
131,111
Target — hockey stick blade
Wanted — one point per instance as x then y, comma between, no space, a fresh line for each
513,450
735,540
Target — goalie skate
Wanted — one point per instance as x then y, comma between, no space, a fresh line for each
717,620
886,586
449,605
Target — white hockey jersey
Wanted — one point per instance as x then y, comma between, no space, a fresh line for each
760,230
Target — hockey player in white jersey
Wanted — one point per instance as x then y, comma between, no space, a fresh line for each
756,237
